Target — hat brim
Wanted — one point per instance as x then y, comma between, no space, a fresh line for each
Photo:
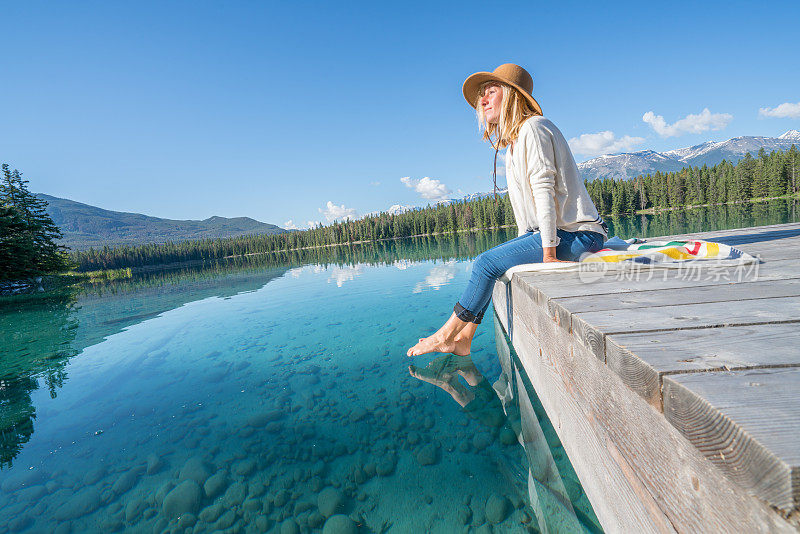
472,86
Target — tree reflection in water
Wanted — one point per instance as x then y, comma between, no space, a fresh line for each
36,334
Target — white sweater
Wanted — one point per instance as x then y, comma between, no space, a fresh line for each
544,185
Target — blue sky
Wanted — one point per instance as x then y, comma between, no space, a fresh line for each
303,111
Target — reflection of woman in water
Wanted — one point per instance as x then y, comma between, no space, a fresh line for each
555,217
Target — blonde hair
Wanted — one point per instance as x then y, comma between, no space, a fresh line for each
515,109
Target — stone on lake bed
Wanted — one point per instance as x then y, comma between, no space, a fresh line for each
235,495
246,467
481,440
427,454
497,509
84,502
340,524
215,484
154,464
211,513
194,469
185,498
125,482
386,465
330,501
260,420
133,509
358,414
290,527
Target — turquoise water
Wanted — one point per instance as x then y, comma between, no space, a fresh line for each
252,400
265,397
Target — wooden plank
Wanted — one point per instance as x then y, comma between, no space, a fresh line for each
692,316
747,423
679,296
570,284
626,453
642,360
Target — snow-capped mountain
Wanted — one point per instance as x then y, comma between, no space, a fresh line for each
632,164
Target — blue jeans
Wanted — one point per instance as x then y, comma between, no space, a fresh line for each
527,248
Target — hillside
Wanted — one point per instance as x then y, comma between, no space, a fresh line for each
87,226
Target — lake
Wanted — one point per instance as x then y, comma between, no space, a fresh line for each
260,396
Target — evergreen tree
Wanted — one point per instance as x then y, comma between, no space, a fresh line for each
28,243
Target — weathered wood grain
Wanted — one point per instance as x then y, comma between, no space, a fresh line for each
569,284
600,354
610,431
642,360
691,316
746,422
680,296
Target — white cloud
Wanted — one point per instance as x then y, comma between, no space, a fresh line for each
689,124
438,276
787,109
605,142
340,275
289,225
376,183
312,224
332,212
427,187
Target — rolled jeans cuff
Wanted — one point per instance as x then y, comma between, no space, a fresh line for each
466,315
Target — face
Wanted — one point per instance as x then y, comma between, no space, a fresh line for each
491,101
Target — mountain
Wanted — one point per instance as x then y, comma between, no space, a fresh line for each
632,164
87,226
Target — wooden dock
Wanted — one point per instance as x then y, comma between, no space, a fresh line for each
676,393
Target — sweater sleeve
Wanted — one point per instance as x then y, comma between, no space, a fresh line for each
541,175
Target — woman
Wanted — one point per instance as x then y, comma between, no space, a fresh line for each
556,219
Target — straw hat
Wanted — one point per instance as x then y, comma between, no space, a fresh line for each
511,74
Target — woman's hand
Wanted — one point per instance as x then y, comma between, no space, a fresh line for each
550,256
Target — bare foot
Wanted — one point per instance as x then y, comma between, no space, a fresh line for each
459,347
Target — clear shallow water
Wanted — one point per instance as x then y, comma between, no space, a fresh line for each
260,397
254,400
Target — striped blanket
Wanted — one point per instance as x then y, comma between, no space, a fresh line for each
668,252
663,254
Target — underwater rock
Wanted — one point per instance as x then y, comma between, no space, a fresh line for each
251,505
215,484
235,494
330,501
154,464
290,527
31,494
464,514
413,437
340,524
260,420
84,502
262,523
246,467
386,465
184,498
162,492
211,513
125,482
357,415
134,508
315,520
93,476
21,479
481,440
507,436
427,454
281,498
194,469
497,509
227,519
187,521
396,422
